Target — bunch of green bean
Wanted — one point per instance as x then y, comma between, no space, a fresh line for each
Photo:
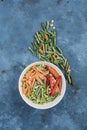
40,94
51,49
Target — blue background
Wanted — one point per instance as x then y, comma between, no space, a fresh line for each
19,20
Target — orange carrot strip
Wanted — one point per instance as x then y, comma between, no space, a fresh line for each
23,80
53,71
41,76
44,72
24,89
60,84
58,90
37,69
38,79
34,67
31,76
29,73
28,92
32,83
41,71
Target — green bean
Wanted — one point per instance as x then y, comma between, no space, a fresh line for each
51,44
60,54
54,41
68,78
30,49
38,54
66,66
46,48
61,65
47,90
39,38
42,34
47,25
65,62
43,59
51,34
59,50
56,62
43,26
35,45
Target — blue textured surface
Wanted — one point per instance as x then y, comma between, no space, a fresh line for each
19,20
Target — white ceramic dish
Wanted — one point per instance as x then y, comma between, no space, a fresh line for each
49,104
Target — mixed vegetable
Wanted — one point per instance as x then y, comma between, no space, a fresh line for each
41,83
44,45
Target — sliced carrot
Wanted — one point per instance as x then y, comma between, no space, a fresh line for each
41,76
32,73
41,71
34,67
58,90
59,87
44,72
24,89
31,76
23,80
29,82
28,74
60,84
38,79
28,92
53,71
32,83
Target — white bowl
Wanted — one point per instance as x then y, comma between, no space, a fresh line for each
49,104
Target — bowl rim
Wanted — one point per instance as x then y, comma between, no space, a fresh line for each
49,104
